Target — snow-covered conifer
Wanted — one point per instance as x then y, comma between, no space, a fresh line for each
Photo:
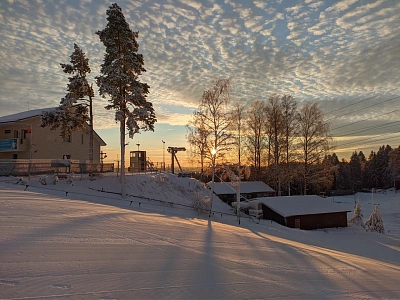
70,179
119,80
357,218
43,179
22,180
201,203
75,108
375,223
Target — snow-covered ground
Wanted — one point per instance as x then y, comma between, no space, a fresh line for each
83,241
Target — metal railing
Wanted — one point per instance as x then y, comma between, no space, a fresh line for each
19,167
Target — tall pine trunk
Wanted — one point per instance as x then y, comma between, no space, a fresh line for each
91,130
122,133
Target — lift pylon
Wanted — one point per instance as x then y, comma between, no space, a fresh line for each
173,151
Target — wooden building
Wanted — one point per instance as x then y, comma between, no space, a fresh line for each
226,191
21,137
137,161
304,212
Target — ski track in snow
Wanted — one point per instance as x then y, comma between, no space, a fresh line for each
55,246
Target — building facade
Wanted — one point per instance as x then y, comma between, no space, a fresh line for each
304,212
137,161
21,137
227,191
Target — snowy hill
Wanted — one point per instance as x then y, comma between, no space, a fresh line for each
83,241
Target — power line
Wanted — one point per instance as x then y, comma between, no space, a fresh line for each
352,123
329,112
371,138
369,128
352,112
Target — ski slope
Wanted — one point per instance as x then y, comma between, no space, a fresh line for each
82,241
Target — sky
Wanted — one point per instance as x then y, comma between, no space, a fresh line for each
88,244
343,54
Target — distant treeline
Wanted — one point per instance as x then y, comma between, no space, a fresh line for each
379,170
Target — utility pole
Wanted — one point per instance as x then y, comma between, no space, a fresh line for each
163,157
372,193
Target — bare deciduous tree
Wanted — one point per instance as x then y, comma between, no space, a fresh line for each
214,112
289,108
198,138
255,126
238,116
276,130
313,138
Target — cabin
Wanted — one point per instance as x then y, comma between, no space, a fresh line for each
137,161
21,137
304,212
227,191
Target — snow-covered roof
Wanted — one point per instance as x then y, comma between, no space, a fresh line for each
25,115
36,113
301,205
246,187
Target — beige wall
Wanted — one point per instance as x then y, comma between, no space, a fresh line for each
48,144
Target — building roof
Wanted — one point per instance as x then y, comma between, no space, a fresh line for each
246,187
301,205
25,115
36,113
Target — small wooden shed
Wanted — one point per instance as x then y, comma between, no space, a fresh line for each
226,191
304,212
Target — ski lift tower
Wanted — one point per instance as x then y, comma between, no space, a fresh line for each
173,151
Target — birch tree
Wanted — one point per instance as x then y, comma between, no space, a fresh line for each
275,127
119,80
238,115
255,139
197,137
313,138
214,112
289,108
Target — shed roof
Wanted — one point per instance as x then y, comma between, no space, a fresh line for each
246,187
36,113
301,205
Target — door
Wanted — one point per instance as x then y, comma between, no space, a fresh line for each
297,223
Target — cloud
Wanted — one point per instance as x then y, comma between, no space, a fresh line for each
341,5
344,51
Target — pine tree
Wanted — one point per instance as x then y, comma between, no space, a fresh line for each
120,80
357,218
75,108
355,170
374,222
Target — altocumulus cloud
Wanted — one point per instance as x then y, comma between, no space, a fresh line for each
336,54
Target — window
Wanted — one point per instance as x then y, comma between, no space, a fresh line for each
66,156
140,154
15,156
7,131
22,136
15,134
82,139
67,139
